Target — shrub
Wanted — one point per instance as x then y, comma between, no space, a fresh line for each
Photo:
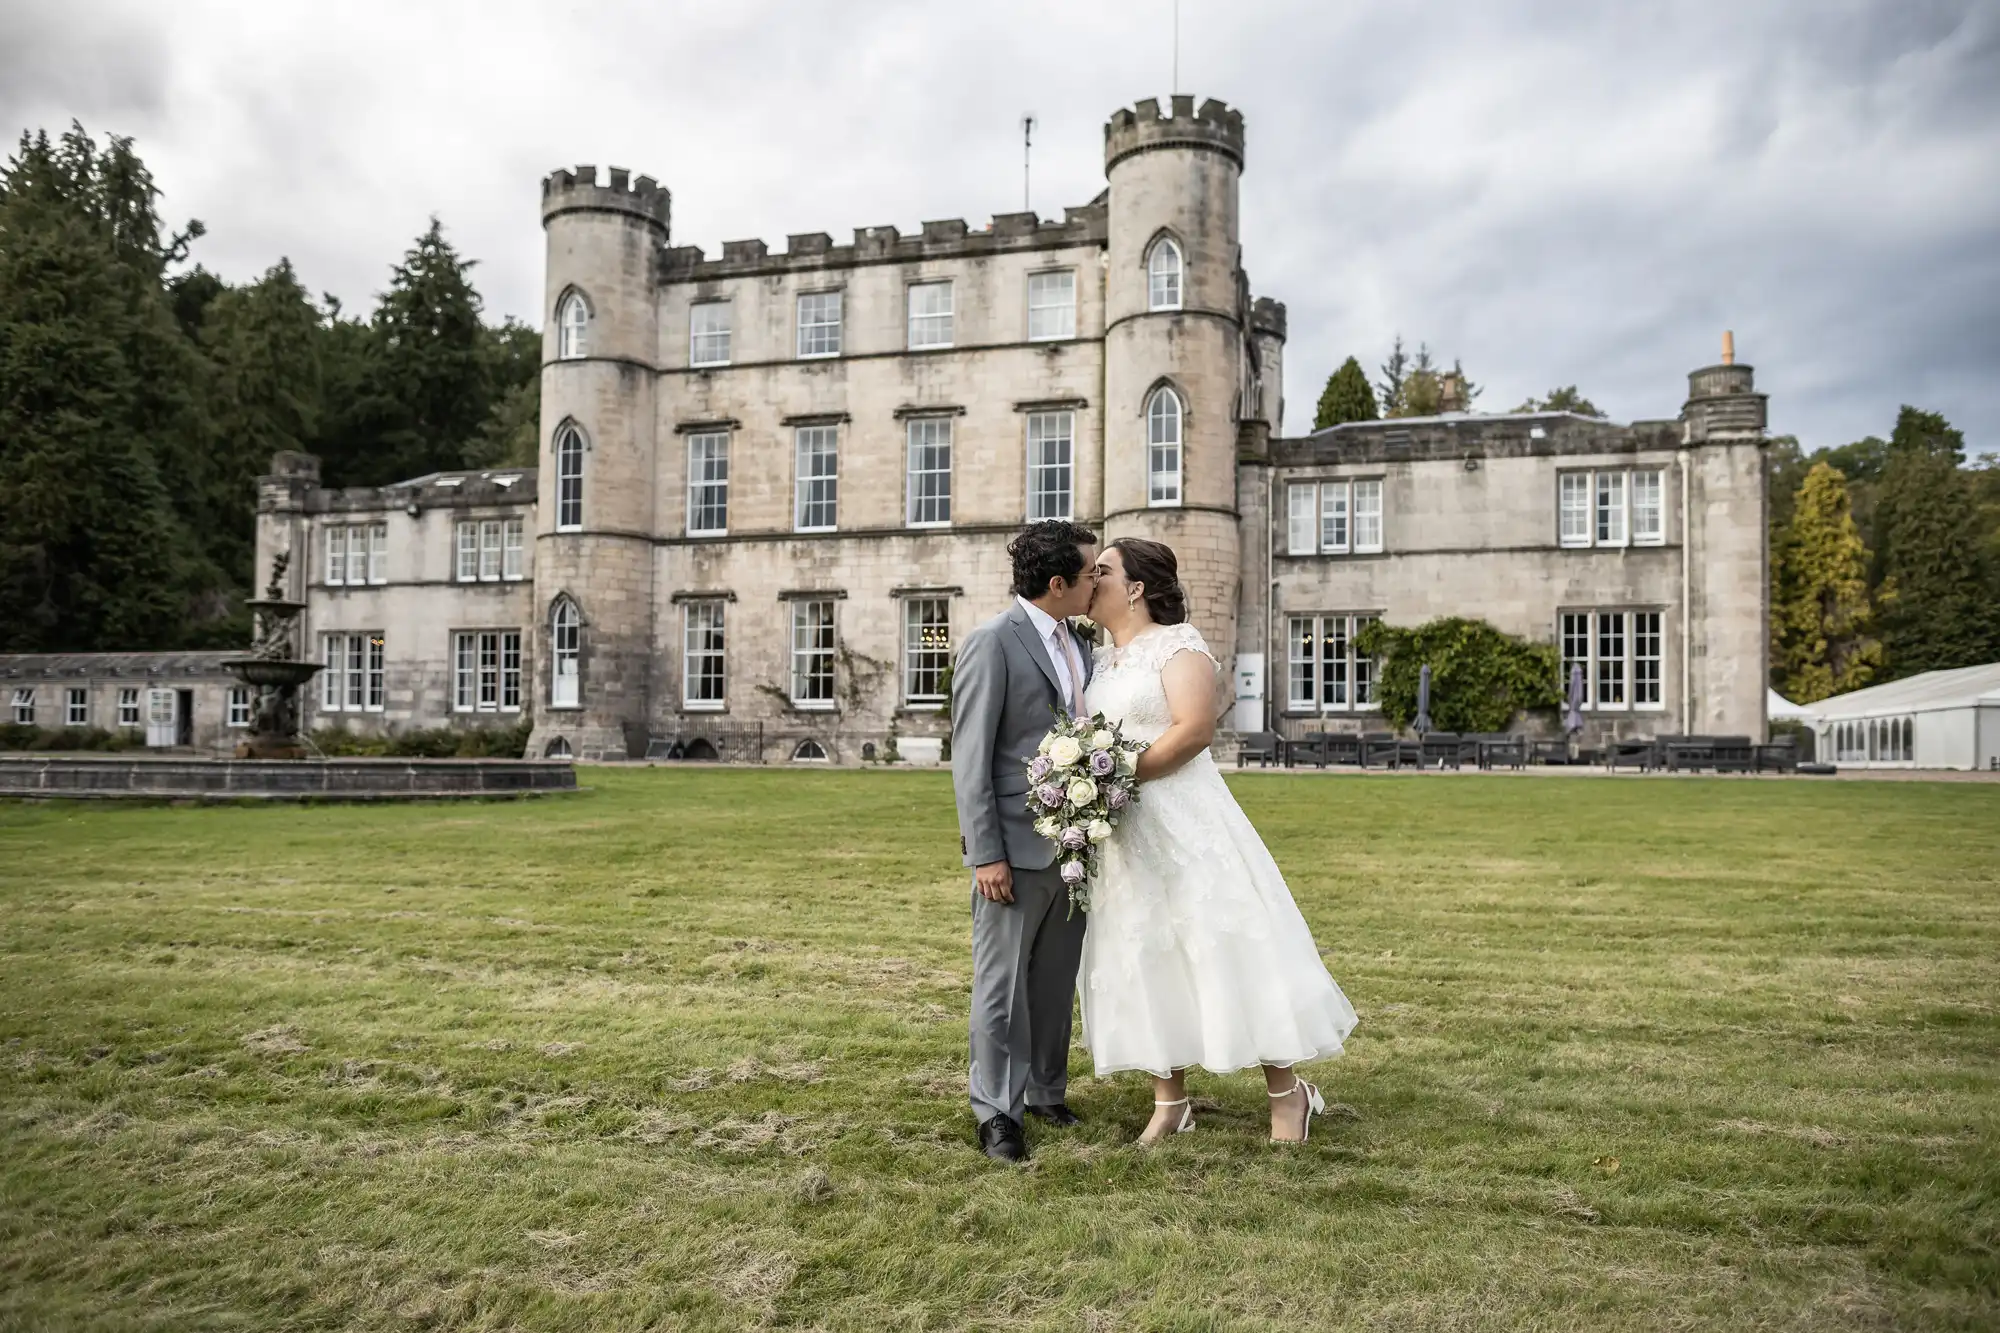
509,742
1480,678
21,736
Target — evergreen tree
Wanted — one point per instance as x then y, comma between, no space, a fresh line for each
1393,371
91,553
1942,614
1347,397
425,373
1567,398
1821,642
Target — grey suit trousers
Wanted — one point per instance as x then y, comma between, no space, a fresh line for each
1024,961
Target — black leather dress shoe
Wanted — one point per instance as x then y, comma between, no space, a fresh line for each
1000,1138
1058,1114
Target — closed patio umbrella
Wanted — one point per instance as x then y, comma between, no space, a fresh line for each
1573,704
1423,722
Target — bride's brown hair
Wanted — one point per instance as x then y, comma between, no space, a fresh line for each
1153,564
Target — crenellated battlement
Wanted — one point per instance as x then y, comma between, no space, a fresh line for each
951,238
1268,316
578,191
1141,129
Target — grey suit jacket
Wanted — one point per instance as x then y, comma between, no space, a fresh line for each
1004,697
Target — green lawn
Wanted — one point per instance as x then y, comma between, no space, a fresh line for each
686,1052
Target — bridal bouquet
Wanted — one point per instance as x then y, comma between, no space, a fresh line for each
1081,780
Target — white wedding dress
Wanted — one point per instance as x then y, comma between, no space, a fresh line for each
1195,953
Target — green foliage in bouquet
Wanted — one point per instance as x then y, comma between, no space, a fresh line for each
1480,678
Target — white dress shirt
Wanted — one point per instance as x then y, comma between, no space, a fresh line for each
1054,635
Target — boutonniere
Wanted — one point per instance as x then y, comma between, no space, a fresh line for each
1083,627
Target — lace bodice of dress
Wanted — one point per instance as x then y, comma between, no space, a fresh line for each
1125,682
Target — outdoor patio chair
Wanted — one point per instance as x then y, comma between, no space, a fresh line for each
1549,752
1341,748
1733,754
1780,756
1438,749
1503,752
1640,754
1380,748
1265,747
1690,754
1307,749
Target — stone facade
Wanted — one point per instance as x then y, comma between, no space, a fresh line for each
738,539
167,700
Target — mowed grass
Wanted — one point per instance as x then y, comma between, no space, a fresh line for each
686,1052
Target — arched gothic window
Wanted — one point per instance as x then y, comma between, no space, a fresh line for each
569,478
572,327
557,748
565,650
809,752
1163,447
1163,275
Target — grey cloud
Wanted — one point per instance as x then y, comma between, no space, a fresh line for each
1555,191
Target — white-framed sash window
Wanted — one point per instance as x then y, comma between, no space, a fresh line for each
565,655
513,559
336,555
704,663
76,706
238,714
128,707
24,705
1334,517
1052,305
1367,517
486,671
812,654
815,506
569,479
1622,655
352,677
819,324
1611,507
1163,448
1163,275
708,333
708,483
1051,464
930,315
1325,673
928,472
926,648
572,327
1302,518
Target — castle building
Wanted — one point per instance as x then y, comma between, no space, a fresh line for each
776,489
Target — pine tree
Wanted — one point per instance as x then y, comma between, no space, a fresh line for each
1942,614
91,553
1347,397
1393,371
1821,639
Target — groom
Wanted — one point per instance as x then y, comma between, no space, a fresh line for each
1012,674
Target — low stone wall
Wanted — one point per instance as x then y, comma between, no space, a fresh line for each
92,776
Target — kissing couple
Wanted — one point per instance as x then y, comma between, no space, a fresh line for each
1192,952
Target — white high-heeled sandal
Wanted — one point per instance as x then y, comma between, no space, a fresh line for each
1186,1124
1315,1105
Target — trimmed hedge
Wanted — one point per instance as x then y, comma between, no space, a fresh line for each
434,743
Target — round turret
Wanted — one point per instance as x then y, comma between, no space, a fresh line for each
1176,344
595,507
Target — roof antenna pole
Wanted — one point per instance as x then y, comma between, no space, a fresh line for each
1027,148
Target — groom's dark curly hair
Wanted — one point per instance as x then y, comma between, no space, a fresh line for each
1050,549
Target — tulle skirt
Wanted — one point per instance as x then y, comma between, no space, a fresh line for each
1195,953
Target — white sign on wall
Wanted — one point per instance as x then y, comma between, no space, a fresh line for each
1249,692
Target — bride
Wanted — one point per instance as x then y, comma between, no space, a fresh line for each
1195,953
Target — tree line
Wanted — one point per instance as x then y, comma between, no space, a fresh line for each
141,396
1885,554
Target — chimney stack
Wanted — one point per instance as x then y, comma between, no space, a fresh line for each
1728,347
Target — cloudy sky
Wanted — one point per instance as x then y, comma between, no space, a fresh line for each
1553,191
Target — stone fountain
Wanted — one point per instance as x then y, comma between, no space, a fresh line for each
275,671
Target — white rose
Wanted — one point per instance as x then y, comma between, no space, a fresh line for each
1047,740
1048,828
1082,791
1128,760
1098,830
1064,751
1101,740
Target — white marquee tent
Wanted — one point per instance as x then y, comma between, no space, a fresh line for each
1940,719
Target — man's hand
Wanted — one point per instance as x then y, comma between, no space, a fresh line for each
996,881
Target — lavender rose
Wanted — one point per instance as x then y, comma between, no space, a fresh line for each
1101,763
1049,794
1039,767
1072,872
1075,838
1116,798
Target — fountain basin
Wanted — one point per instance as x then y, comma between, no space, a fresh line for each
264,671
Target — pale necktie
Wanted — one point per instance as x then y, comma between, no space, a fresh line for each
1066,645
